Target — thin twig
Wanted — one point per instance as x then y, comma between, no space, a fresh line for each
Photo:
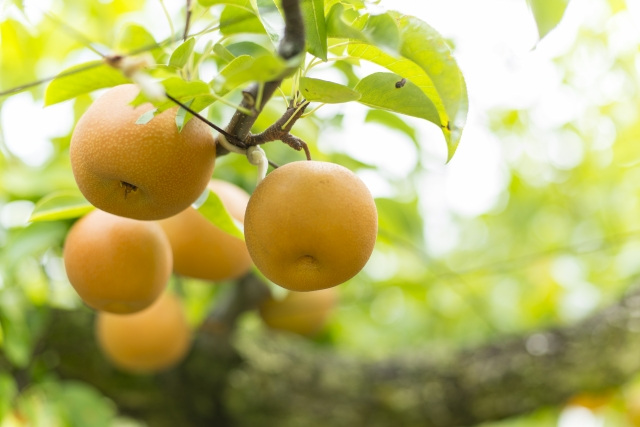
235,140
187,21
168,16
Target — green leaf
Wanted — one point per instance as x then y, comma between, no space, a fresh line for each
234,20
547,14
326,92
180,89
18,340
245,69
8,391
223,53
61,205
383,90
181,115
181,55
81,79
425,59
244,4
337,27
134,38
382,31
146,117
213,209
271,19
248,48
426,48
315,27
391,121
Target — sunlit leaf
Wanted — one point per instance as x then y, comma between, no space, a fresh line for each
248,48
425,59
146,117
337,27
223,53
213,209
547,14
244,4
326,91
245,69
81,79
181,115
315,27
61,205
234,20
382,31
181,55
271,19
134,38
388,91
391,121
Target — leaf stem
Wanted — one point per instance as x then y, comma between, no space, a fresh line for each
166,14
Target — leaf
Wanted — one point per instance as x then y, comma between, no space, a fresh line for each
180,89
234,20
18,339
271,19
425,59
426,48
382,31
213,209
181,55
181,115
547,14
248,48
61,205
135,38
81,79
338,28
326,92
223,53
380,90
8,390
244,4
315,27
245,69
391,121
146,117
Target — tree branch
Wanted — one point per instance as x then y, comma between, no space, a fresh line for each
281,129
275,379
291,45
187,21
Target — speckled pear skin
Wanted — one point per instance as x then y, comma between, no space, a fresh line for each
143,171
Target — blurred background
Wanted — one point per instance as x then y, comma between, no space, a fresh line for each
535,222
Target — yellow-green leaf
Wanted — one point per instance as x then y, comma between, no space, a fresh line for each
61,205
81,79
391,92
213,209
326,92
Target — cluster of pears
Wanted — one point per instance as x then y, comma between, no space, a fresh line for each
308,226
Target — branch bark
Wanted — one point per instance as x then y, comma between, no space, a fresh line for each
274,379
291,45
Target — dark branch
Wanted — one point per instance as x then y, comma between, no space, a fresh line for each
291,45
187,21
281,129
199,116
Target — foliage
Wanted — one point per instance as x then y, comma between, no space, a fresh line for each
559,240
